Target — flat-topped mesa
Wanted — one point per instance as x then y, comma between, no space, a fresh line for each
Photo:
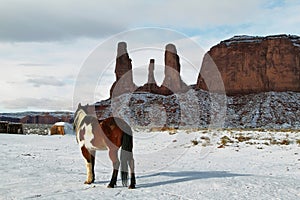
250,64
124,80
172,82
151,85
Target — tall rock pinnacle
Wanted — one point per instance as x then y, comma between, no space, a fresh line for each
172,82
124,81
151,85
151,78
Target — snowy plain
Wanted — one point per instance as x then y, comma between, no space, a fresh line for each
200,164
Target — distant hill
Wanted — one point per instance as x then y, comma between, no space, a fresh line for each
31,117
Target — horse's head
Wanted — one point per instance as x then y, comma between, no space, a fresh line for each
79,107
82,111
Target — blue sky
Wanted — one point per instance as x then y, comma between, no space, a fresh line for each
43,44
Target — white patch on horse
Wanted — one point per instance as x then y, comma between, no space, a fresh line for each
88,136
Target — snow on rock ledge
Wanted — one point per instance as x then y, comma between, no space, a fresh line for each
200,109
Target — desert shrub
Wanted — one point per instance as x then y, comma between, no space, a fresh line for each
273,141
225,140
285,142
195,142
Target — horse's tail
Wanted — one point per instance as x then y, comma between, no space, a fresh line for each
126,154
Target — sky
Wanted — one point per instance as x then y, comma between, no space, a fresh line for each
45,46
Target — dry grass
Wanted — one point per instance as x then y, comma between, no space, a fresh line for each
237,136
242,138
171,130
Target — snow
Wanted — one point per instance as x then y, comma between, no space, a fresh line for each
243,39
257,39
295,40
252,165
296,44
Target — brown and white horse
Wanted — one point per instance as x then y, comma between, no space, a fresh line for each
109,134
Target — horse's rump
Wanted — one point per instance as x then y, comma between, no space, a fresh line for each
114,128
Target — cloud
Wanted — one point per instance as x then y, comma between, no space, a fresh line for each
45,81
34,64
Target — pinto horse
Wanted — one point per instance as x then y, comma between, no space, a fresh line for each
111,133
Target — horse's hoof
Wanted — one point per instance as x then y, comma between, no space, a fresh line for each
131,187
88,182
110,186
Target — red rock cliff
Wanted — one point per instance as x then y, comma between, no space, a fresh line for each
254,64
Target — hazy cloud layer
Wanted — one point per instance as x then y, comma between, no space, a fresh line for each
35,20
45,81
34,65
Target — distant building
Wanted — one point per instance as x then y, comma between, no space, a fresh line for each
14,128
3,127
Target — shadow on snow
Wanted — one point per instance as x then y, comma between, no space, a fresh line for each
185,176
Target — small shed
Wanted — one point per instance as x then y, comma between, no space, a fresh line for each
57,130
61,128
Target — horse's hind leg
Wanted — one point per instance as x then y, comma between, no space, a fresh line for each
113,155
132,174
90,164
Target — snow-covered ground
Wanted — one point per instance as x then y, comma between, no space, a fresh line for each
198,164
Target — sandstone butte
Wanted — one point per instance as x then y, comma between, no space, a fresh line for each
253,64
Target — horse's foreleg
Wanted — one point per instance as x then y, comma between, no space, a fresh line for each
90,164
113,155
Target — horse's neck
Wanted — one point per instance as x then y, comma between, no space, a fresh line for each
79,117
